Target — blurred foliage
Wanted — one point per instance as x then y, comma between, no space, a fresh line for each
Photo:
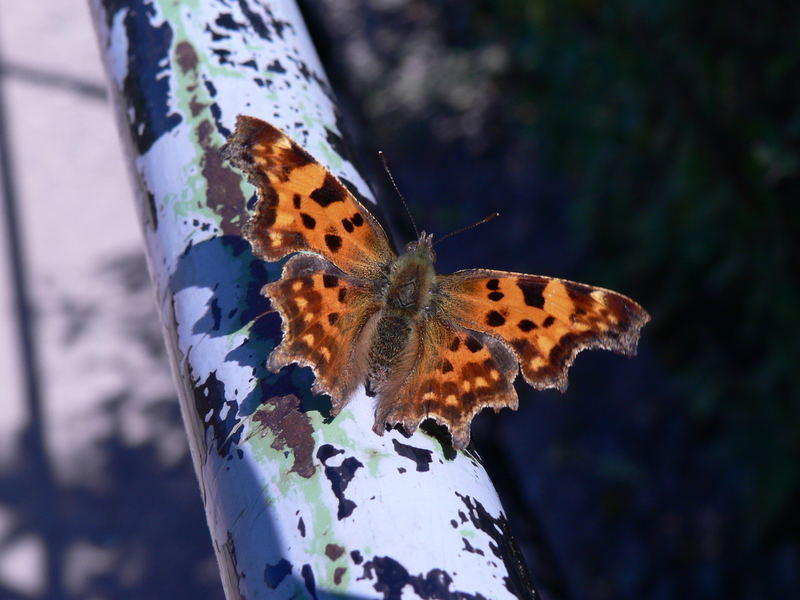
674,128
678,126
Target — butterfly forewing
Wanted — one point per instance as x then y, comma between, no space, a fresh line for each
301,205
546,321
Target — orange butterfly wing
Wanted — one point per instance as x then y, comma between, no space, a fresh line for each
455,374
465,353
326,295
324,313
302,206
544,320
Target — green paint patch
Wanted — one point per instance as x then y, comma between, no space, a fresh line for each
334,432
374,461
331,158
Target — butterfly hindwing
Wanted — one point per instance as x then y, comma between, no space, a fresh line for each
301,205
324,313
455,374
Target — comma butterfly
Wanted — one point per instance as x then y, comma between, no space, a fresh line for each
430,346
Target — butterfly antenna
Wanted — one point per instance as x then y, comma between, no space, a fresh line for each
396,189
486,219
263,314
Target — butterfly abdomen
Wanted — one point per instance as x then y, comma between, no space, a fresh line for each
388,343
406,295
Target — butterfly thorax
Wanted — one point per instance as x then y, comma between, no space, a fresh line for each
406,301
410,280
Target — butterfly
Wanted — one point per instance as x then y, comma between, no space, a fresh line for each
430,346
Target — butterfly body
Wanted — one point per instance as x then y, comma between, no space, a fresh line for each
406,302
410,279
430,346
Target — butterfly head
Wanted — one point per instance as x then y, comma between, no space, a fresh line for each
423,247
410,280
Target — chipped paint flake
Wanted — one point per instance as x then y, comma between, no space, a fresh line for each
291,507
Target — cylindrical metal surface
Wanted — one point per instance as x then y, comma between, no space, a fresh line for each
297,505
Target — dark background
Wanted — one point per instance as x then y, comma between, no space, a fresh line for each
648,147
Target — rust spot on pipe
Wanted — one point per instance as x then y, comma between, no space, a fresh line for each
333,551
186,56
291,428
223,194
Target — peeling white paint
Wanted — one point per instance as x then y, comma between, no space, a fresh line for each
260,510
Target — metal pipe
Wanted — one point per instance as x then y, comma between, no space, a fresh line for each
297,505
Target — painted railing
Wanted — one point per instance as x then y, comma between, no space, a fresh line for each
298,506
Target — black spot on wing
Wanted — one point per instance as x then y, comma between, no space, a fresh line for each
495,319
548,321
357,220
495,296
348,226
342,294
333,317
330,191
330,281
493,284
454,345
526,325
309,222
473,344
333,242
296,200
447,366
532,291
